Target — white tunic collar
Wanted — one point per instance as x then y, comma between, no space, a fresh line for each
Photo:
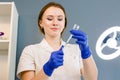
46,46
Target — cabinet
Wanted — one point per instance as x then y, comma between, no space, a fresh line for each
8,41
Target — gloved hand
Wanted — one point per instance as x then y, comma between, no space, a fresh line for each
56,60
82,42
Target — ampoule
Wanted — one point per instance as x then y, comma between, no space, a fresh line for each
76,27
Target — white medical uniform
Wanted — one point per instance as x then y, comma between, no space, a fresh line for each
35,56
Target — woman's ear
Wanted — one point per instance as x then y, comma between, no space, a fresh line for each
40,23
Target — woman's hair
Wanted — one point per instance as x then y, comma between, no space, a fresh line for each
50,4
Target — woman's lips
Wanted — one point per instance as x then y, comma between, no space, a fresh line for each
55,29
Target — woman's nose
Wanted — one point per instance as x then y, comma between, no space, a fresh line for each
55,22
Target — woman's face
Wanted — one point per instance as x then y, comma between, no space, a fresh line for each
53,21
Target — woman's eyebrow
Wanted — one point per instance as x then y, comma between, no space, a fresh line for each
50,15
53,16
60,15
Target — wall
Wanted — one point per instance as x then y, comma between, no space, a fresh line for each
94,17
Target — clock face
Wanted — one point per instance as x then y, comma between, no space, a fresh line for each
108,44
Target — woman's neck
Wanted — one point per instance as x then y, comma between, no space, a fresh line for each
54,42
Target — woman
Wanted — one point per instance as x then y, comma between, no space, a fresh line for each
50,59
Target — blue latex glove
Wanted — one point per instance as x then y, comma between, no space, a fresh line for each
56,60
82,41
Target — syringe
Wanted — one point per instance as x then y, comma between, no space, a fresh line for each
76,27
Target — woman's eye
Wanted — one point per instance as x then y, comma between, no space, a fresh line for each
49,19
60,19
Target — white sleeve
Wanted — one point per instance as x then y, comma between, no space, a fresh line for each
26,61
